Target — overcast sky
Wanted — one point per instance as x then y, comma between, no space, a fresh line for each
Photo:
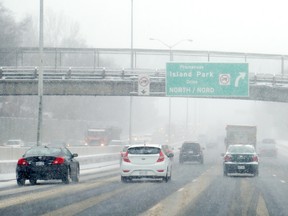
258,26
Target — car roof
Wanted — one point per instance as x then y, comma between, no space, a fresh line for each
241,146
191,143
13,140
147,145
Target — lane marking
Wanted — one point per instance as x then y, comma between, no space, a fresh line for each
78,207
177,202
55,192
261,207
282,181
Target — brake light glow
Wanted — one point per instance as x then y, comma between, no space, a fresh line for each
162,170
161,157
22,162
125,157
227,158
255,158
58,160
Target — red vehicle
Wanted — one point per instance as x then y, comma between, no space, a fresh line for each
102,136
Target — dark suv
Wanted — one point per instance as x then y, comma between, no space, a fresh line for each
191,151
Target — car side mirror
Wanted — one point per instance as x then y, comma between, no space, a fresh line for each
170,155
74,155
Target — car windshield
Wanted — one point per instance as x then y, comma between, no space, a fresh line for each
240,149
44,151
191,146
144,150
268,141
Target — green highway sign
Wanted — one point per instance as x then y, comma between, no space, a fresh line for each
207,79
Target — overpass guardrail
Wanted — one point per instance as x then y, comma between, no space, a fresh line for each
102,73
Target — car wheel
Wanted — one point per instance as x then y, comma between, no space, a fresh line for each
167,178
20,181
202,160
256,173
170,176
224,171
33,181
67,177
75,176
124,179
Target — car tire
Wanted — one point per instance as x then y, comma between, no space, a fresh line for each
124,179
20,181
224,172
256,173
33,181
67,177
75,176
166,178
201,160
170,176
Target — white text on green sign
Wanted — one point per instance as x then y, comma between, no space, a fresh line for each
207,79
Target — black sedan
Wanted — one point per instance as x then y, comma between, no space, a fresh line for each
241,159
47,163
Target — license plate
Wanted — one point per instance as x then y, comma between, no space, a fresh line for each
190,152
241,167
142,173
40,163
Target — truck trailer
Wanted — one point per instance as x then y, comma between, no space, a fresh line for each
241,134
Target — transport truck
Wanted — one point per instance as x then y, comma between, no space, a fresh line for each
102,136
241,134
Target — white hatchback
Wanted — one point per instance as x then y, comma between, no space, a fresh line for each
146,161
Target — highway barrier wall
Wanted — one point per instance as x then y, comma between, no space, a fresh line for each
86,155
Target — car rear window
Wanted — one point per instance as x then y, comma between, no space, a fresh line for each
241,149
268,141
192,146
44,152
144,150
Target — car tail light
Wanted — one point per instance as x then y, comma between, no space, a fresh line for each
58,160
227,158
162,170
255,158
161,157
22,162
125,157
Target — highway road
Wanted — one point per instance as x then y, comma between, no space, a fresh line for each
195,189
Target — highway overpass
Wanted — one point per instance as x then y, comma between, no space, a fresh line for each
107,72
118,82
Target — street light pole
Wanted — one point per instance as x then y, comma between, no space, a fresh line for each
132,57
132,66
170,47
40,78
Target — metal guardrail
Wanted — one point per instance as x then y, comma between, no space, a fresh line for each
88,73
79,73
